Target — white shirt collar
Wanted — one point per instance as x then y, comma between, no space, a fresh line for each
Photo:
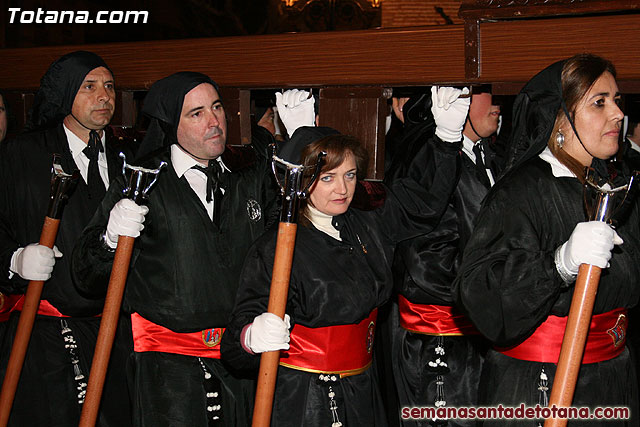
467,147
76,145
558,169
634,146
322,222
182,162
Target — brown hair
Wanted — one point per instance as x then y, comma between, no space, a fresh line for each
579,73
338,148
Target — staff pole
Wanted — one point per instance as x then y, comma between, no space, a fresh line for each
140,182
62,184
285,244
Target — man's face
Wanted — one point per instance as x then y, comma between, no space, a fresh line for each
3,119
483,115
203,125
94,103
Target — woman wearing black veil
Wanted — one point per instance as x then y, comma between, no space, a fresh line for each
520,266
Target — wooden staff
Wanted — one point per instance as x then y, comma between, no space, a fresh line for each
140,183
285,245
579,319
62,185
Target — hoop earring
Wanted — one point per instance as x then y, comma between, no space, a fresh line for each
560,139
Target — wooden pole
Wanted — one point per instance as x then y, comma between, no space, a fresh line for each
573,342
25,326
277,303
107,332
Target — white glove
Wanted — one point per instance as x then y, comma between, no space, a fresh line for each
590,243
295,108
34,262
125,219
268,332
449,112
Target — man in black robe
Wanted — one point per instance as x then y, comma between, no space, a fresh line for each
205,210
436,352
69,117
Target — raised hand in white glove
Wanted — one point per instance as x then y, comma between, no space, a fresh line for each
34,261
125,219
590,243
268,332
295,108
449,112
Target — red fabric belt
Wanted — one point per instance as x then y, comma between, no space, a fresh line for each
147,336
342,349
7,305
606,338
45,308
432,319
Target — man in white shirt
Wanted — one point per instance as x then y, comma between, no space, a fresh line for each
71,110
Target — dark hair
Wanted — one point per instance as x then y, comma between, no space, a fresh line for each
579,73
338,148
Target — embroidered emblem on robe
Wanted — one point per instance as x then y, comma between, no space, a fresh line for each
212,337
370,334
254,211
619,332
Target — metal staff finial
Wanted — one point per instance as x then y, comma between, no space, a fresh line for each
290,190
604,202
62,185
140,180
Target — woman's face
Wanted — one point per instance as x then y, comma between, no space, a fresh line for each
597,120
333,190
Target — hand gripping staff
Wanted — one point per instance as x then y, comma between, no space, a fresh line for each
602,206
291,196
62,184
140,182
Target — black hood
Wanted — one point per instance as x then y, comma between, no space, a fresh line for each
163,105
58,88
303,136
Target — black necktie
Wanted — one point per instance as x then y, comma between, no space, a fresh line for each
481,170
214,189
94,180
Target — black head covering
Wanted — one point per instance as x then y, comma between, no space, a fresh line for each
303,136
417,110
59,86
534,114
163,104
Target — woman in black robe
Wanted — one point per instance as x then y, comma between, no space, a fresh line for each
341,274
519,268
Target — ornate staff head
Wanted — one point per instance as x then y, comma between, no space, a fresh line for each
605,202
290,190
140,180
62,185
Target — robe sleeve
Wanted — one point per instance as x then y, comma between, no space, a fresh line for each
252,300
9,283
508,283
416,202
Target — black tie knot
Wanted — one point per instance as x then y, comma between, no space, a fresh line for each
481,169
212,171
94,146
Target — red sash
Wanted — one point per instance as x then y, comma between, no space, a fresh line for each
431,319
606,338
147,336
342,349
45,308
7,305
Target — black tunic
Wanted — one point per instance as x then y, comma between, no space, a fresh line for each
183,276
338,283
48,376
508,285
427,266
